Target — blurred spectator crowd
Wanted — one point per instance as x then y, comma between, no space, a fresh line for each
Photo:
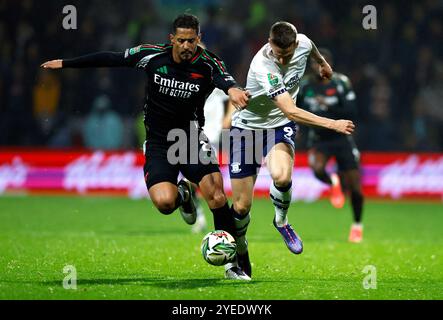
396,70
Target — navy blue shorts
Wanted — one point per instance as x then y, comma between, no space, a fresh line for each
249,147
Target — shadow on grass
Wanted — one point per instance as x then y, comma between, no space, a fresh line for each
147,232
171,284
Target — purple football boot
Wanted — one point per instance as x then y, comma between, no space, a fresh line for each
291,238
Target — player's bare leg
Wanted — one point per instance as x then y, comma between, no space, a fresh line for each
164,195
280,162
211,187
167,197
352,179
317,162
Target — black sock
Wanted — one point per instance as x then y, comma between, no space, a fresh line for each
323,176
223,219
357,205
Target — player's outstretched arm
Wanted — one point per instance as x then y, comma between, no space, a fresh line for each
285,103
325,69
93,60
53,64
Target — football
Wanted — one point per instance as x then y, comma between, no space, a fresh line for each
218,248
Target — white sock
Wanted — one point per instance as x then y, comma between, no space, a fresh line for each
281,201
200,212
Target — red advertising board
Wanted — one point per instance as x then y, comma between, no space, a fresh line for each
385,175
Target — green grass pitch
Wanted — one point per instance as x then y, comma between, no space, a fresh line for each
125,249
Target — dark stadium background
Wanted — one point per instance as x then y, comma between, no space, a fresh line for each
397,70
63,204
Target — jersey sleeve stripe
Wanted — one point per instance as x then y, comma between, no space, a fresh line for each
153,46
154,49
217,63
220,65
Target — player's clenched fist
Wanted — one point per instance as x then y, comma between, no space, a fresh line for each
53,64
239,98
325,70
343,126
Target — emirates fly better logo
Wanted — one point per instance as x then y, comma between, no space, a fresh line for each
175,88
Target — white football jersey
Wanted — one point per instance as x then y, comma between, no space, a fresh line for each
266,80
214,112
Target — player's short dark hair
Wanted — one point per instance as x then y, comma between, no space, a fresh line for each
186,21
283,34
327,54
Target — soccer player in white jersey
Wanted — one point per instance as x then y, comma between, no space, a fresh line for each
267,126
